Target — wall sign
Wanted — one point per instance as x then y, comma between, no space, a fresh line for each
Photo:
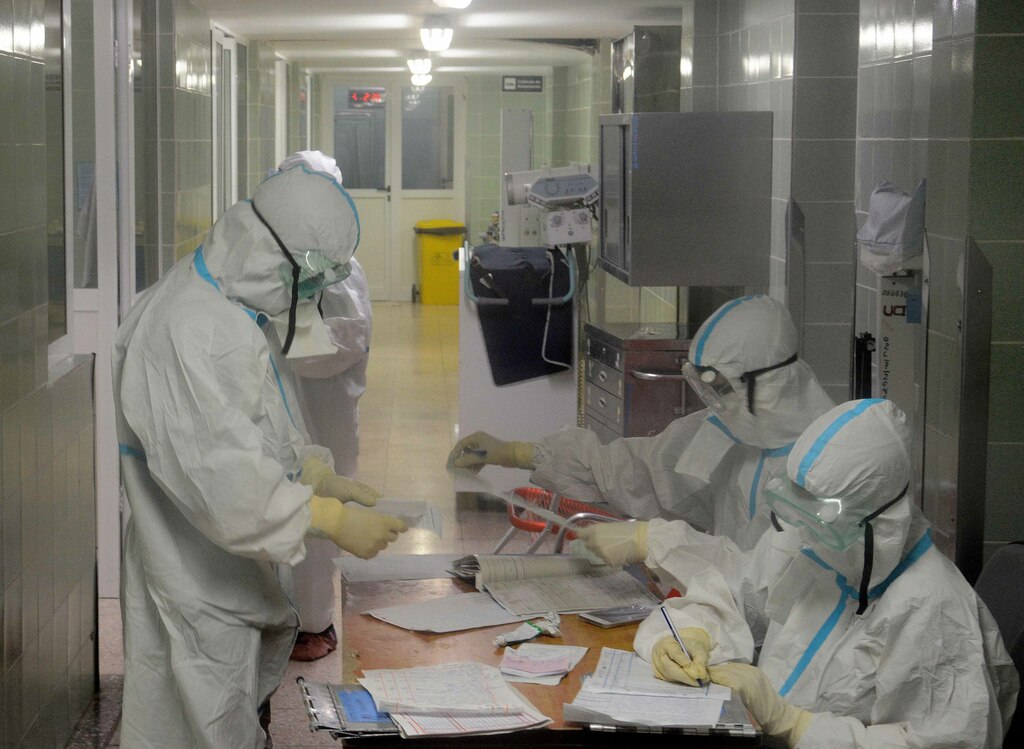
529,83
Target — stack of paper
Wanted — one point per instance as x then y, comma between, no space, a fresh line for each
624,691
540,664
450,699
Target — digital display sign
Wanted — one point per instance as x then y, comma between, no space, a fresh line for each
366,98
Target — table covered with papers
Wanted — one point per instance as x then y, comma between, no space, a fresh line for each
379,656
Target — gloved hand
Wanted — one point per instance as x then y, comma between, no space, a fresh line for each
670,662
617,543
326,483
777,717
481,449
355,529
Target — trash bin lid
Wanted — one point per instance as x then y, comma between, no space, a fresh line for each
439,226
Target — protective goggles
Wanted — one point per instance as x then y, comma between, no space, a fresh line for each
316,272
835,521
710,385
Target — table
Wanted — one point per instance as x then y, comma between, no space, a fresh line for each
369,643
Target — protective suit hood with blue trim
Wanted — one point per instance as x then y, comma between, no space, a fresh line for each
308,209
748,334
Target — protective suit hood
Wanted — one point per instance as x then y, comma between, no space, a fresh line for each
308,209
860,449
748,334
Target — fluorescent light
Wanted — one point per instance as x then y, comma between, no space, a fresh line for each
436,34
421,80
457,4
419,65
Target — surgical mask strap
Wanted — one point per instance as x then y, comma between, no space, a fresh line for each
869,550
296,270
749,378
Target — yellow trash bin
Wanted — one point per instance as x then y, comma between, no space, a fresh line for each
438,239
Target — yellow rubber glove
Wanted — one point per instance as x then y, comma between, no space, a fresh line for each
616,543
777,717
326,483
481,449
355,529
670,663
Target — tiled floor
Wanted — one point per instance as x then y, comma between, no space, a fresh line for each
407,424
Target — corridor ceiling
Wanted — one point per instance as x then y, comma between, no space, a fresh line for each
491,36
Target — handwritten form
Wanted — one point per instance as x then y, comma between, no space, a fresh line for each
624,690
452,698
573,593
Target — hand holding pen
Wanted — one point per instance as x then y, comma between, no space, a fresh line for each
682,656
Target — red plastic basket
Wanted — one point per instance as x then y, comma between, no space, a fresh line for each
524,520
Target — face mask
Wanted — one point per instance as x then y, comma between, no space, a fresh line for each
311,337
315,273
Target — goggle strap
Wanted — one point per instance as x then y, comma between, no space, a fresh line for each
750,378
886,506
775,522
320,304
296,270
865,575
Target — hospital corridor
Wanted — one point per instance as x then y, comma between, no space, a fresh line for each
476,373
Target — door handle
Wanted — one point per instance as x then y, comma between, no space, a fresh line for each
656,376
386,188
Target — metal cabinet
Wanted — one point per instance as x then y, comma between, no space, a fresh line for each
633,383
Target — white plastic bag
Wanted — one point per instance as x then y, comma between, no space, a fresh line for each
893,234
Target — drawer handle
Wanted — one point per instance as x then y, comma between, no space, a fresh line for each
602,375
656,376
602,402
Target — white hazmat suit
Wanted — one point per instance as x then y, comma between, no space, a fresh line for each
923,665
212,441
329,388
706,468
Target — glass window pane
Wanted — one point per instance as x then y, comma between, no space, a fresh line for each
56,263
83,147
360,119
428,138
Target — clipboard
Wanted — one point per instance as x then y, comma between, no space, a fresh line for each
344,710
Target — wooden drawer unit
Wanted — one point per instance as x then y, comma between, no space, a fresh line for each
634,385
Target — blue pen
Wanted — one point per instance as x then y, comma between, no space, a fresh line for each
679,640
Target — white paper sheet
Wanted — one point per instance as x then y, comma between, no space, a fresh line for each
625,672
415,512
570,594
448,614
396,567
466,688
574,653
598,707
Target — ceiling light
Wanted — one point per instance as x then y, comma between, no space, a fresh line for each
419,66
421,80
436,34
457,4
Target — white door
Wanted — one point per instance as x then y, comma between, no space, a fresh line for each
397,147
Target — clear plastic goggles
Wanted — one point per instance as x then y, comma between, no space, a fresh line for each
710,385
316,272
836,522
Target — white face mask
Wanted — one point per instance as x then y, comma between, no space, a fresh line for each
311,335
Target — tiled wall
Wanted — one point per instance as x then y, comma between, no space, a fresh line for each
260,77
47,525
186,147
484,102
996,222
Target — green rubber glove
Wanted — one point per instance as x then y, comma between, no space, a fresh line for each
777,717
481,449
326,483
617,543
670,663
355,529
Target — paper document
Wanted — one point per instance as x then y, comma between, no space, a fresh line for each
447,614
529,650
453,698
625,672
396,567
571,594
415,512
601,707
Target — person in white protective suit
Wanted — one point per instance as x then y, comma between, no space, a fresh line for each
222,482
708,467
874,638
329,387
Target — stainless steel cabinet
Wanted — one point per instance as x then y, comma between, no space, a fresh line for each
633,383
